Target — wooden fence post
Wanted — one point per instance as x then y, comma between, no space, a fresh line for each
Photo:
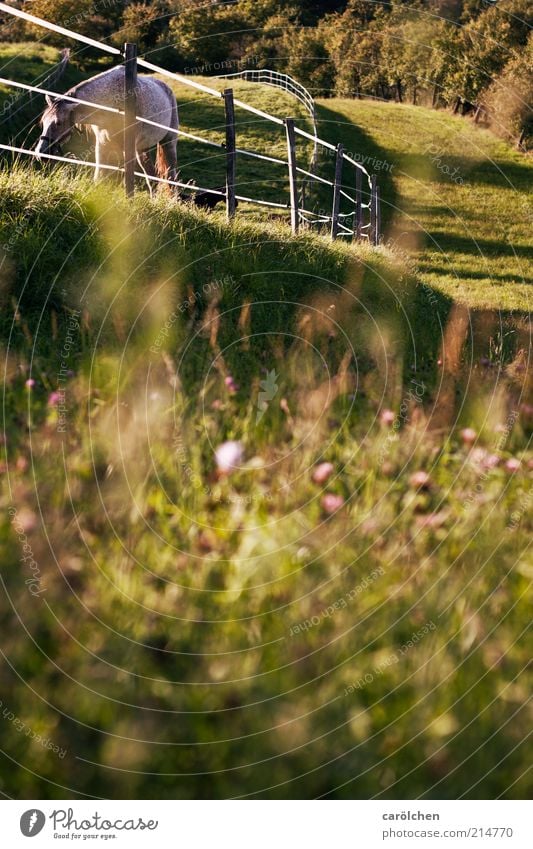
130,112
337,191
291,156
230,153
358,220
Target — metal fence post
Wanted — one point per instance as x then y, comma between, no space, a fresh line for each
130,112
378,216
337,191
291,156
230,153
374,211
358,218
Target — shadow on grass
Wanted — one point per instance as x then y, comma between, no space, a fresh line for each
480,247
334,128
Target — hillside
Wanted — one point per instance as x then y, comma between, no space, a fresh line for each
456,198
276,494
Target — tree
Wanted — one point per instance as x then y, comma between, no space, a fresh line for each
486,45
95,18
144,23
207,35
509,97
308,60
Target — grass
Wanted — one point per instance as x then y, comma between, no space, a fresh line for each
455,197
278,631
192,634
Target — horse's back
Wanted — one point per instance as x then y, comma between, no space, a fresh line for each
155,101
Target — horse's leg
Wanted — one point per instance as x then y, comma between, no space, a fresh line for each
145,161
167,160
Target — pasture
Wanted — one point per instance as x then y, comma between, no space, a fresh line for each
342,612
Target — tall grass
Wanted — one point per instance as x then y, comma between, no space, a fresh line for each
283,628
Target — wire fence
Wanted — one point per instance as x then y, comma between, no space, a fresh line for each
279,80
361,222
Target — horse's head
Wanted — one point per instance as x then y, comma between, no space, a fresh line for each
57,123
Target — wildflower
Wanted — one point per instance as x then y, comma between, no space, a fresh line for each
231,385
322,472
387,417
331,502
30,383
228,456
54,398
468,435
27,519
512,465
420,480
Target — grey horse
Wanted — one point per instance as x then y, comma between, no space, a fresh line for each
155,101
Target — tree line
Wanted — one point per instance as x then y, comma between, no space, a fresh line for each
470,55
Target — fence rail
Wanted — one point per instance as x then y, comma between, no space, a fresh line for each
286,83
336,221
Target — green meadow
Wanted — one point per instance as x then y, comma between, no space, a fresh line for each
266,499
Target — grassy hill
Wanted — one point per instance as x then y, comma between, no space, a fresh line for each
176,628
455,197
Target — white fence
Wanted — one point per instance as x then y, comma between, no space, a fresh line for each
349,224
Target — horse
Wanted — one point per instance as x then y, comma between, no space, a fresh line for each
155,101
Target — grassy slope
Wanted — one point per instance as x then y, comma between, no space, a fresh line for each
471,241
199,114
170,594
172,599
465,216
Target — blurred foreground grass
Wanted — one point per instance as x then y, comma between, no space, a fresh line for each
280,630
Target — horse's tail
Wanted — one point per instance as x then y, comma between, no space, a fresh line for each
166,158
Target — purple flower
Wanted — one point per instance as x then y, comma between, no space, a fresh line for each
228,456
481,457
331,502
231,385
55,398
512,465
30,383
491,461
387,417
322,472
420,480
468,435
